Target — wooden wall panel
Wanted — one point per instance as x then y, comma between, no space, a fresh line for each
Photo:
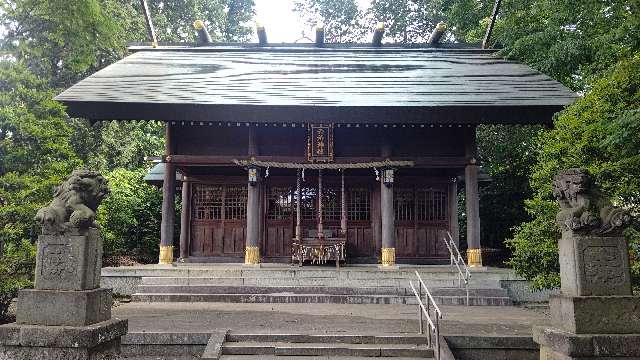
278,240
359,241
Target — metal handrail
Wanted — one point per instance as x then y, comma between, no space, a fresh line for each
434,324
456,259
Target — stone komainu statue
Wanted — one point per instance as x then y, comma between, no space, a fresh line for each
74,203
582,206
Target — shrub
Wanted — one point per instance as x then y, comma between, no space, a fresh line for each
16,272
130,216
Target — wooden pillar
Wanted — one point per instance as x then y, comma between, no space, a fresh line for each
320,223
474,252
343,203
185,219
453,211
252,149
299,206
252,245
388,225
168,202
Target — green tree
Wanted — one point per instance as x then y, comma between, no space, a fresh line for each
598,132
341,18
572,41
507,154
130,216
60,40
35,154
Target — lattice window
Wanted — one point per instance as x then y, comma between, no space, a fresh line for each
235,203
279,203
309,203
207,202
403,204
331,206
358,206
431,205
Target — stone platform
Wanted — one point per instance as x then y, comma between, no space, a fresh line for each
96,341
184,330
279,283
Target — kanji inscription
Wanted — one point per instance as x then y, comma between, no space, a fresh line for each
320,143
58,262
603,266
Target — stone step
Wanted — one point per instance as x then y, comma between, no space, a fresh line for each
317,298
329,290
327,281
325,349
276,357
298,274
329,338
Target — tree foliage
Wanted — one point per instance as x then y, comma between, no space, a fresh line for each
572,41
129,216
594,133
49,45
341,19
35,154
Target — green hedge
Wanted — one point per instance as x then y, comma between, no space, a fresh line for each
16,272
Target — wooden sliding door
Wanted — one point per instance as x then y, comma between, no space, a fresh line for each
218,220
422,219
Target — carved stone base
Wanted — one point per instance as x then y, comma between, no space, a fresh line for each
596,314
69,261
63,308
556,344
99,341
592,265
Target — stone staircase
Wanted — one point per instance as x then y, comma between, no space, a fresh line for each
298,346
321,285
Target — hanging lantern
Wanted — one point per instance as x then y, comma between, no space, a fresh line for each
253,175
387,177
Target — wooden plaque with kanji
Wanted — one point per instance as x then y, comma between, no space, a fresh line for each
320,143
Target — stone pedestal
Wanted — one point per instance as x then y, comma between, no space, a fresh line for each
63,308
69,261
595,317
67,315
593,265
37,342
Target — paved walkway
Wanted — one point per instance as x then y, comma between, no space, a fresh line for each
323,318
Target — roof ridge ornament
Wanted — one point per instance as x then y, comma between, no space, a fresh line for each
378,34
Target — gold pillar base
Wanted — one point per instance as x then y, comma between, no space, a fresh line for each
166,255
474,257
388,256
252,255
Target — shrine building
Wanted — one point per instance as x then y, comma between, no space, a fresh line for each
318,153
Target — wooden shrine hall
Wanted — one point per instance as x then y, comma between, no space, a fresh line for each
317,153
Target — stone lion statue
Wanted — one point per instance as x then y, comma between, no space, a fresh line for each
582,206
74,203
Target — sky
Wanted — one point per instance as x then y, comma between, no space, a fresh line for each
281,23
